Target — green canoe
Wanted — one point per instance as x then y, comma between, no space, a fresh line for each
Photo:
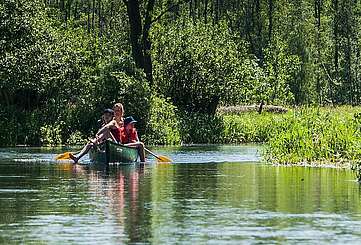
111,152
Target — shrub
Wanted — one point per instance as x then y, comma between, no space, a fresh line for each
199,128
50,135
76,138
163,123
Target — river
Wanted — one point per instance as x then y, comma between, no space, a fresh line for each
209,195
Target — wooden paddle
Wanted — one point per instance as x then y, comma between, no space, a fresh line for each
163,159
65,155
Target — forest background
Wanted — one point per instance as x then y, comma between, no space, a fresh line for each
171,63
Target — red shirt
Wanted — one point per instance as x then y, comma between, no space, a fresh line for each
128,137
116,133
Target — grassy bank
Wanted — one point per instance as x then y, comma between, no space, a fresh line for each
305,135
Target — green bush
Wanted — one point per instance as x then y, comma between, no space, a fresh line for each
196,64
19,127
200,128
51,135
163,123
76,138
8,127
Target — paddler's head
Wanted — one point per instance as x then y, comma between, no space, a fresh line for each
129,123
118,110
108,115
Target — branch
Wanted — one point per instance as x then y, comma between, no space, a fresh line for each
167,10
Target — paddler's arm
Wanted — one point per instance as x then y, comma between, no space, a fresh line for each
136,136
105,128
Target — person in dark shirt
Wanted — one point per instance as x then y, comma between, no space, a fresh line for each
113,121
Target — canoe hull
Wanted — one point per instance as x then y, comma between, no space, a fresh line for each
110,152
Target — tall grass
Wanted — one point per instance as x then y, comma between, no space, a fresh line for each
248,127
316,135
304,135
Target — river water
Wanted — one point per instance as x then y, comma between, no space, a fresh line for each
210,195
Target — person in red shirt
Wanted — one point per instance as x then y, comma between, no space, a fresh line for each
129,136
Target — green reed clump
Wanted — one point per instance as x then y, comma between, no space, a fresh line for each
316,135
249,127
200,128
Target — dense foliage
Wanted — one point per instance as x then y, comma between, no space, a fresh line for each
163,123
63,61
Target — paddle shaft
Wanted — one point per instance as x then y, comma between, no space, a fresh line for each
113,138
152,153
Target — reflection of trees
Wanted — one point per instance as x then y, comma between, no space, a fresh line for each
287,189
193,182
143,200
36,189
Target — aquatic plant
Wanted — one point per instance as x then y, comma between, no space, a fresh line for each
248,127
316,135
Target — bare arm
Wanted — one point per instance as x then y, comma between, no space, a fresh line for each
136,136
106,127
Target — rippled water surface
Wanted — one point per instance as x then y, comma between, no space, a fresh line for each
211,194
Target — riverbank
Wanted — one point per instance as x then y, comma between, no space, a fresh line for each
317,136
303,136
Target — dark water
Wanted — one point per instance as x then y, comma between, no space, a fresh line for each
211,195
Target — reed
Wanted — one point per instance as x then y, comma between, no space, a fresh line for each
249,127
316,135
308,135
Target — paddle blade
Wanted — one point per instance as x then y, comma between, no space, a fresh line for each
164,159
63,156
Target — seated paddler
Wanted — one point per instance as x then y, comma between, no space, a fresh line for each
107,117
129,136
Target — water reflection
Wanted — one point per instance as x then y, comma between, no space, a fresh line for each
126,193
194,202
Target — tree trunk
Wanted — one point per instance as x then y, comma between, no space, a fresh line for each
205,11
111,16
318,38
216,10
88,17
258,25
93,16
335,33
190,8
270,21
147,43
135,23
76,10
357,66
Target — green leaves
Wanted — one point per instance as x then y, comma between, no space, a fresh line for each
194,64
163,126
